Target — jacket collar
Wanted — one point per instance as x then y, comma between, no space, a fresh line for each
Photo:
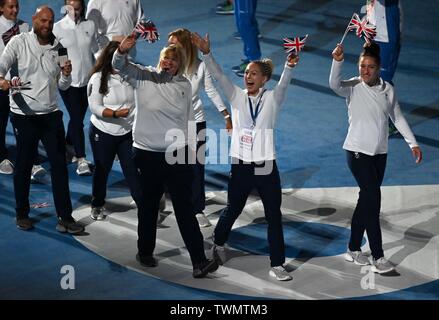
8,23
54,42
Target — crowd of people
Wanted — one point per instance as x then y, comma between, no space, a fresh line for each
152,119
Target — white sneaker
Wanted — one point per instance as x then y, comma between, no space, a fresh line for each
280,273
38,173
357,257
219,254
202,220
83,168
97,213
382,265
6,167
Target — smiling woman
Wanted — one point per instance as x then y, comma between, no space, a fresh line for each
254,113
371,101
164,105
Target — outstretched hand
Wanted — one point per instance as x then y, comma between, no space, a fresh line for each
203,44
417,153
127,43
337,53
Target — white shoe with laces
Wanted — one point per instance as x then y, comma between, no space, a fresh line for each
357,257
6,167
382,265
97,213
83,168
219,254
280,273
203,222
38,173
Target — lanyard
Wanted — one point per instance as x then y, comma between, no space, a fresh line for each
254,114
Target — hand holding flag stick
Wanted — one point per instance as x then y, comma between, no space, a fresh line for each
362,27
17,86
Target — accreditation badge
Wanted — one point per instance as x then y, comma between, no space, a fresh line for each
246,138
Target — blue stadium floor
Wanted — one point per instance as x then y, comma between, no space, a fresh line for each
319,192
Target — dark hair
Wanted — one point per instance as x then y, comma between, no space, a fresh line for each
103,65
82,4
371,50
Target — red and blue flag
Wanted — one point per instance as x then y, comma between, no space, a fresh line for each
294,44
147,30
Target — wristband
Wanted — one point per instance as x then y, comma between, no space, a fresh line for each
227,116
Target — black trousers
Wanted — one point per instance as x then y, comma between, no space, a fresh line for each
156,174
105,147
243,178
4,116
199,196
48,128
369,173
76,102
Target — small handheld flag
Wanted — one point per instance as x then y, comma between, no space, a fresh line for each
17,86
10,33
362,27
294,44
146,30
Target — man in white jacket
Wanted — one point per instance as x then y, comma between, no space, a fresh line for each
33,57
11,25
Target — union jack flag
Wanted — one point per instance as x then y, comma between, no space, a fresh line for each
10,33
294,44
147,31
362,27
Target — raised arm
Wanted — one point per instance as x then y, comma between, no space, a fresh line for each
280,89
203,44
335,82
215,97
134,72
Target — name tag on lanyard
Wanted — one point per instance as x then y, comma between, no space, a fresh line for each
247,135
246,138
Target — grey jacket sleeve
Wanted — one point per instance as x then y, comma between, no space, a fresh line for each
134,73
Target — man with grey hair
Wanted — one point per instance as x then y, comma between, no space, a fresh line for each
33,60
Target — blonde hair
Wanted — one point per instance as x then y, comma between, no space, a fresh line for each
266,65
174,51
184,38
